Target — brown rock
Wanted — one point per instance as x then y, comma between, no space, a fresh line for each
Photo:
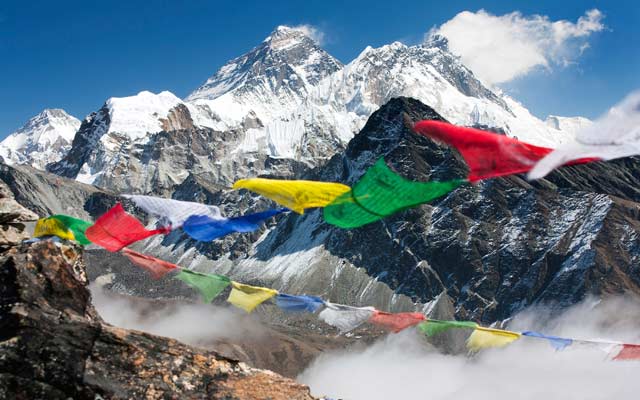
55,346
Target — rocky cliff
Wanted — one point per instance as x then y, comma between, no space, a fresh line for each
55,346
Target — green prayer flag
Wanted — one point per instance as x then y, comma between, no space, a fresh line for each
209,285
75,225
380,193
433,327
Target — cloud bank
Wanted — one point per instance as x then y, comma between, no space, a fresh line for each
501,48
402,367
194,324
311,31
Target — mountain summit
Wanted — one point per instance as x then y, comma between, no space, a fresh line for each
284,65
45,138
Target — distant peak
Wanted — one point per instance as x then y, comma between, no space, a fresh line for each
299,33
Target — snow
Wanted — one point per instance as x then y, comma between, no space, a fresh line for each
45,138
136,116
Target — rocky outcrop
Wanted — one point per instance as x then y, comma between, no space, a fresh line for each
55,346
12,218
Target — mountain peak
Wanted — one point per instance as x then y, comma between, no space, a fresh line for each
288,60
44,138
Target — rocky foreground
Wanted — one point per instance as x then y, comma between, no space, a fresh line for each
54,345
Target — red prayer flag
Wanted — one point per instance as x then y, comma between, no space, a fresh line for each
156,267
629,352
396,322
116,229
488,155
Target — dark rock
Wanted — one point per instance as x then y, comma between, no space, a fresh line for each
55,346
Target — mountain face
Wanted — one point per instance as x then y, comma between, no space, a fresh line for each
494,248
45,138
281,108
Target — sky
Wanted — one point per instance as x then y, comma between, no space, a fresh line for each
555,57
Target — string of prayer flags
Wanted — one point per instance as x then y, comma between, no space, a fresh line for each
302,303
295,195
206,229
615,135
116,229
157,268
628,352
52,227
174,211
482,338
209,285
345,318
432,327
249,297
396,322
488,155
380,193
558,343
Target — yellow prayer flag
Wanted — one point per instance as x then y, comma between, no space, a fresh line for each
482,338
52,227
249,297
295,195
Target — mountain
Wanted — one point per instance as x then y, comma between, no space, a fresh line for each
494,248
45,138
281,108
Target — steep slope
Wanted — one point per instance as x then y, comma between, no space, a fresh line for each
45,138
495,248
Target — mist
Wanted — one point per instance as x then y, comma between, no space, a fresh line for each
403,366
192,323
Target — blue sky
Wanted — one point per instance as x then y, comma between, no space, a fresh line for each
76,54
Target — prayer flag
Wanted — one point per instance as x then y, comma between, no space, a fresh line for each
52,227
303,303
157,268
396,322
209,285
380,193
116,229
77,226
295,195
345,318
558,343
432,327
483,338
628,352
175,211
615,135
249,297
488,155
206,229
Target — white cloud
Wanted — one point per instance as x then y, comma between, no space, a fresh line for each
401,366
500,48
313,32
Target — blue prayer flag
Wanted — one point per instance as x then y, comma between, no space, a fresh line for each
299,303
206,229
558,343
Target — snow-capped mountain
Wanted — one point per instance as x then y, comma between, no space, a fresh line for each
45,138
285,104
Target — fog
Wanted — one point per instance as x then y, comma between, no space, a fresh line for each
195,324
402,367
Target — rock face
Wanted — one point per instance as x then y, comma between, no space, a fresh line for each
55,346
12,218
495,247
